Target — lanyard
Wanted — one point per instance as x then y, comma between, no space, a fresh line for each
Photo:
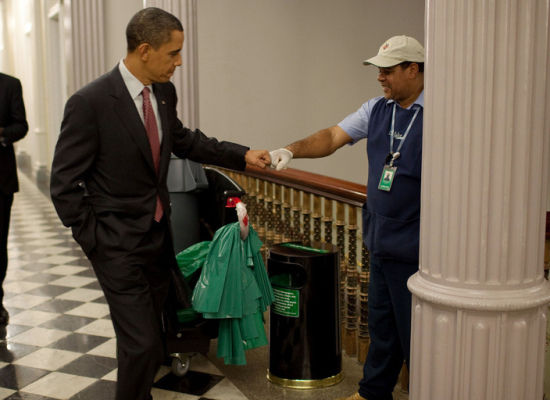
392,132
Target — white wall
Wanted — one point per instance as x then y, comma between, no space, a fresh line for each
273,71
117,16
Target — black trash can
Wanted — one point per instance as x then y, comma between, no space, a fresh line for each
304,329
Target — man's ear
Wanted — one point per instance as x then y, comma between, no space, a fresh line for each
143,50
414,68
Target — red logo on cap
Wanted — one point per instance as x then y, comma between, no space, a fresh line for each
386,45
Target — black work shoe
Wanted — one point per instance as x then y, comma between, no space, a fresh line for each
4,316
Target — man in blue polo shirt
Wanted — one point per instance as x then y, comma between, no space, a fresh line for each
391,216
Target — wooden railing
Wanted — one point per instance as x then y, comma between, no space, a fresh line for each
305,207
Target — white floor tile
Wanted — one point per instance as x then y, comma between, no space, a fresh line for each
39,235
25,301
59,385
14,274
225,390
5,393
65,270
159,394
58,259
111,376
100,327
39,336
45,242
48,359
91,310
20,286
81,294
107,349
73,281
32,317
52,249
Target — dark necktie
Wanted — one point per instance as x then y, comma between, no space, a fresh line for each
153,135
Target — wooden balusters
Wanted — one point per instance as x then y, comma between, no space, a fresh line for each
364,339
296,217
287,234
317,215
278,213
327,220
351,290
306,212
315,210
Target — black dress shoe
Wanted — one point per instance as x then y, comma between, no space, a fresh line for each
4,316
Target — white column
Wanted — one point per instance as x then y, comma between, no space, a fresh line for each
85,50
479,299
185,78
41,161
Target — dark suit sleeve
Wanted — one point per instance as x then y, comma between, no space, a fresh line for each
74,156
196,146
17,127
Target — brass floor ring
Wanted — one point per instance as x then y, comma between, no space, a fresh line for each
305,383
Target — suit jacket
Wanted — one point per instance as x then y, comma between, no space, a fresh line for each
103,182
13,120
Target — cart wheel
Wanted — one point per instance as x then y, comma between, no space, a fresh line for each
180,365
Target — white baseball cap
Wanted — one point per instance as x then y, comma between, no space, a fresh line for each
396,50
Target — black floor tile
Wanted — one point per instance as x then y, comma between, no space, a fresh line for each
67,322
27,396
193,382
97,391
18,376
70,251
87,273
78,342
57,305
14,351
42,278
29,256
100,300
37,266
13,330
81,262
49,290
90,366
92,285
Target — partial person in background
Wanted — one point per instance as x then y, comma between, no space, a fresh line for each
13,127
108,184
392,125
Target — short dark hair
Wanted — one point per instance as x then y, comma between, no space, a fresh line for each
151,25
405,64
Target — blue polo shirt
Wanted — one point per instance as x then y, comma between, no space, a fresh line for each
391,220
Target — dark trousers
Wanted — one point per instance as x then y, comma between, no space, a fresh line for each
6,200
136,287
389,327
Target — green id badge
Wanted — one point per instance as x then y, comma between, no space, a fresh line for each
386,180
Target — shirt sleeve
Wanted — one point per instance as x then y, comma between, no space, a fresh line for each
356,124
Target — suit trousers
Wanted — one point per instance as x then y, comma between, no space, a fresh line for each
6,201
389,327
136,287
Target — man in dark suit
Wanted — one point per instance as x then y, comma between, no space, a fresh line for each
108,184
13,126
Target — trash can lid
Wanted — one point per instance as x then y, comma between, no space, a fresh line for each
297,249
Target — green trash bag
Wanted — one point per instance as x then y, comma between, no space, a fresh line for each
192,258
190,261
234,288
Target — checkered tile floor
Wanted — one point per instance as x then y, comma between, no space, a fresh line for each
60,342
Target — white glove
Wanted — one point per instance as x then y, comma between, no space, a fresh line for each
280,158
